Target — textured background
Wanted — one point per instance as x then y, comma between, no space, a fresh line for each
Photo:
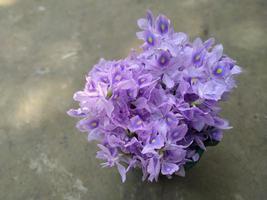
46,48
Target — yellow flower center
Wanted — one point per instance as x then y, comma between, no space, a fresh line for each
93,124
194,80
150,39
162,26
109,93
197,57
219,71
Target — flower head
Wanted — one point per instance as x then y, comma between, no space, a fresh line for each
150,38
162,24
157,110
163,59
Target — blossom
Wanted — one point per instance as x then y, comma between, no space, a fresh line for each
157,110
163,59
162,24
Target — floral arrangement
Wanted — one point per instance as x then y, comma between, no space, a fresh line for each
157,110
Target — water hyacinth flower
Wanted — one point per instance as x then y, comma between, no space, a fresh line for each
157,110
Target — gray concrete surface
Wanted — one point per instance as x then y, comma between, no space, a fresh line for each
46,48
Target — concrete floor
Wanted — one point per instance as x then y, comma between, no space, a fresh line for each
46,48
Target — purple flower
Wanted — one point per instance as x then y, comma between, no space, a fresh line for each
178,133
153,168
87,124
146,23
163,59
162,24
212,90
157,109
155,142
169,168
198,58
199,52
217,135
150,38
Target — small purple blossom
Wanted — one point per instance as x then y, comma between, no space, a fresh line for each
150,38
157,110
162,24
163,59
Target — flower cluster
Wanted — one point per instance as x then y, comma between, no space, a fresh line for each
157,110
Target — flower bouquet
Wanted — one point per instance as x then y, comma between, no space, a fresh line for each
157,110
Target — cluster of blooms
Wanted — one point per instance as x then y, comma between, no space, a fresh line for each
158,109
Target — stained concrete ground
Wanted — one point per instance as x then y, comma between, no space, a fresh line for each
46,48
